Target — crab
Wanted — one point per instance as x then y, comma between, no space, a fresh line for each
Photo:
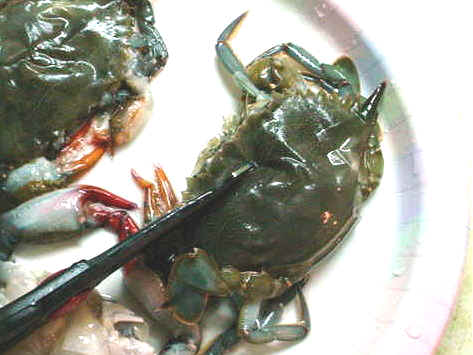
74,82
316,142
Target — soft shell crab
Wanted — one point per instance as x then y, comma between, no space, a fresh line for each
74,79
316,142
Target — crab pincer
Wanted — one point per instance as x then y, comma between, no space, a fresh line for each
63,213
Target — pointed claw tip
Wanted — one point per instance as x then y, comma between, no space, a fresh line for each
158,170
231,28
136,176
240,18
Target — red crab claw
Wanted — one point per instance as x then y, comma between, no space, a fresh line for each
22,316
64,213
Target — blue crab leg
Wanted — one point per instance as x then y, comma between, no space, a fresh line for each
233,64
224,342
330,77
20,317
193,278
254,331
270,314
299,54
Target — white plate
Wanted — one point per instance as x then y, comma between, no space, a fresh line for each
390,287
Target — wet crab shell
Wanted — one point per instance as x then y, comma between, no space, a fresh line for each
314,153
63,61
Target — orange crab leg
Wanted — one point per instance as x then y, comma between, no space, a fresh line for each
159,196
150,205
166,190
86,147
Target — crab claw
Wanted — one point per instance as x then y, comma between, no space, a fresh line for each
42,175
64,213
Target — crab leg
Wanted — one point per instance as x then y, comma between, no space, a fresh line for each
159,196
255,331
307,60
64,213
337,77
233,64
271,311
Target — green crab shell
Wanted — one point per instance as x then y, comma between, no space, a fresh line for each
304,197
60,61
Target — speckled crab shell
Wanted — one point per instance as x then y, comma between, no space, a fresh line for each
319,159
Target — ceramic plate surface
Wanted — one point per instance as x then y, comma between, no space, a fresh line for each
390,287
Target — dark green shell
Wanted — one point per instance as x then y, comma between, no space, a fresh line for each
311,150
60,61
